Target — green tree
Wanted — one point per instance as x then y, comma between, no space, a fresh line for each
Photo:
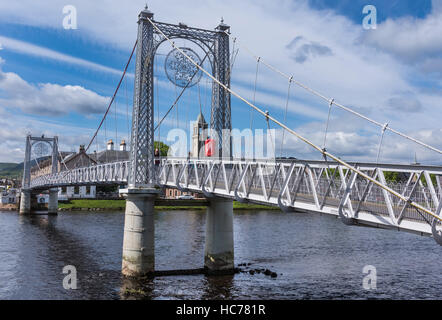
433,180
164,148
392,176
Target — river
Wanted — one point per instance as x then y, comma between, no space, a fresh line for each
315,257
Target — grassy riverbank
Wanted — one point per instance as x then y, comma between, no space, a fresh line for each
100,205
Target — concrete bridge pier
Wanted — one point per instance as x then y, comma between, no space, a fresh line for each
218,253
53,201
25,202
139,232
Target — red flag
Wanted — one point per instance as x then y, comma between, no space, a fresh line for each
209,147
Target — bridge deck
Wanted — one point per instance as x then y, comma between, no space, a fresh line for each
311,186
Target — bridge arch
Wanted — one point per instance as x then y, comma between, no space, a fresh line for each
30,143
205,47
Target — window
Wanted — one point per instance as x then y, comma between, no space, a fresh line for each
63,189
88,189
76,190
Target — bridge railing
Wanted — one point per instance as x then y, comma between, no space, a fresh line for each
113,173
314,186
318,186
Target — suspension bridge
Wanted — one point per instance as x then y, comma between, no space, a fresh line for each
357,193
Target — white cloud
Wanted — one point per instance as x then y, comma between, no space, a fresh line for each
356,146
304,49
48,99
414,40
31,49
14,127
409,104
2,61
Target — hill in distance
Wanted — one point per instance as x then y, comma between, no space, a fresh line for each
15,170
11,170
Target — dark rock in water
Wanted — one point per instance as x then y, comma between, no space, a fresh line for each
252,272
267,272
249,264
274,275
257,271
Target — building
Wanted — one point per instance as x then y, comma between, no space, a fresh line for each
199,136
9,196
72,161
77,192
111,155
77,160
42,198
174,193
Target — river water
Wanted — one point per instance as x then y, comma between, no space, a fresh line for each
315,257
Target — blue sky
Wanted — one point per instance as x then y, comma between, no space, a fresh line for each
386,9
57,81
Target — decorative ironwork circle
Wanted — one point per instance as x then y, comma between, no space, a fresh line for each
180,70
41,149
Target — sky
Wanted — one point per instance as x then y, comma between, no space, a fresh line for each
58,81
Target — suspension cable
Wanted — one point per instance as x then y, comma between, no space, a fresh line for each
116,129
96,151
176,105
105,139
157,99
61,158
314,146
199,98
127,113
254,91
285,115
316,93
380,142
330,105
113,97
270,132
232,59
36,159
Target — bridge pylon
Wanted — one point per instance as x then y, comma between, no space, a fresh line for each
138,244
26,194
218,251
139,227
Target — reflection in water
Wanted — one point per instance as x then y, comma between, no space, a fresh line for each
218,287
314,257
136,289
61,247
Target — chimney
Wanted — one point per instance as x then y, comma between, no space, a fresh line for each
110,145
123,145
81,148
